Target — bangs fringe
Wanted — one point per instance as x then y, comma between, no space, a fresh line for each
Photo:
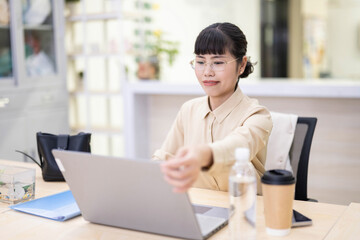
211,41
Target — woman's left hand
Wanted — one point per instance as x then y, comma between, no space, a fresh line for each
183,170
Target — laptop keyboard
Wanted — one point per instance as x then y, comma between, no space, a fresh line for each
200,209
209,224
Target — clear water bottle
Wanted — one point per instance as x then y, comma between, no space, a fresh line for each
242,191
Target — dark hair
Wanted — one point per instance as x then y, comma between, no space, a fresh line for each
219,37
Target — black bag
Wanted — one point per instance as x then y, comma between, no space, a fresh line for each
47,142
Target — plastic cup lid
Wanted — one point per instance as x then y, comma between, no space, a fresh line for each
278,177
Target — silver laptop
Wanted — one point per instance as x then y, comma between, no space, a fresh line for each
133,194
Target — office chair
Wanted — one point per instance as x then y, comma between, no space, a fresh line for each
299,155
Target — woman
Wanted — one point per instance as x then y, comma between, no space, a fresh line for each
200,146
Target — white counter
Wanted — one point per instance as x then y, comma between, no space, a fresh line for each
138,100
264,88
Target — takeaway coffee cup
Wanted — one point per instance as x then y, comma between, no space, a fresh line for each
278,191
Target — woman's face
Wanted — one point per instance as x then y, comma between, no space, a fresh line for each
219,80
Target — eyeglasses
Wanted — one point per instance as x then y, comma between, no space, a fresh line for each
217,66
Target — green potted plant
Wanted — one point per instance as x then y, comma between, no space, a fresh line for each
155,50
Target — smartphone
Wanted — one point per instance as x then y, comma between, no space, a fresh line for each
299,220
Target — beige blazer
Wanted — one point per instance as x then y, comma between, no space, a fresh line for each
280,140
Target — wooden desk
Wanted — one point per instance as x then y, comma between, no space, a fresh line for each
348,225
15,225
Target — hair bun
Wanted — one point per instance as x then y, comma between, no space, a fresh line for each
248,69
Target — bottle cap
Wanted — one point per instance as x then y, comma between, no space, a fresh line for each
242,154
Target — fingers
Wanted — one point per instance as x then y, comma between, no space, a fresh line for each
181,171
182,152
173,164
180,168
178,173
181,160
180,185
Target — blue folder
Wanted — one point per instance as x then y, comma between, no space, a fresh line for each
59,207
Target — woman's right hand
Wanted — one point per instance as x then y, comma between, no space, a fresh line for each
183,170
